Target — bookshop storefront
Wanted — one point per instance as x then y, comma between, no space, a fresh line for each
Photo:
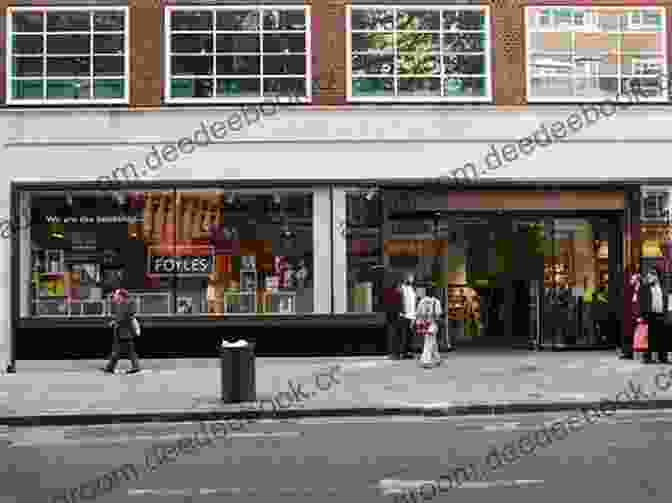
516,268
279,264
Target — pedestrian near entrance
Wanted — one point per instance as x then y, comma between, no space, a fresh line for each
126,328
653,311
427,320
410,300
393,305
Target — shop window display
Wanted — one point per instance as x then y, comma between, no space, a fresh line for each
177,252
363,250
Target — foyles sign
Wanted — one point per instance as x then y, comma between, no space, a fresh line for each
190,266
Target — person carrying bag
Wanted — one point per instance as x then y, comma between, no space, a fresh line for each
126,328
427,325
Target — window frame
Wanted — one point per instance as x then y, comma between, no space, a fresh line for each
10,54
167,30
489,75
530,11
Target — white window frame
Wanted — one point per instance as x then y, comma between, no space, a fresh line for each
229,99
442,77
44,101
534,11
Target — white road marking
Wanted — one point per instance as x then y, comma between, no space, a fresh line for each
396,486
501,427
230,491
158,438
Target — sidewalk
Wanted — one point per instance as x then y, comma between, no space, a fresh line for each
469,382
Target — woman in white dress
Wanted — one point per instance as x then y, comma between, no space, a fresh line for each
426,323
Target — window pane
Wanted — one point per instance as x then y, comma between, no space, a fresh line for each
69,44
464,42
284,65
109,88
552,87
28,22
238,20
285,86
192,65
64,66
191,43
467,65
591,85
463,20
238,87
285,42
372,64
373,87
238,65
551,42
420,87
465,87
418,42
191,88
108,21
108,44
191,21
27,67
108,65
548,66
364,42
284,20
363,228
238,43
68,89
68,21
419,64
28,44
643,87
27,89
418,20
372,19
643,42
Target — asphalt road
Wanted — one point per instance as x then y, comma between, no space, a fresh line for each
625,458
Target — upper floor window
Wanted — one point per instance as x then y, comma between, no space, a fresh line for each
242,53
65,55
419,53
596,54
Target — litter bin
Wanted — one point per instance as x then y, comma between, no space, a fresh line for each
238,372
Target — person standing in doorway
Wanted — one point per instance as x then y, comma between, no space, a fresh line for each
409,302
427,325
124,326
653,311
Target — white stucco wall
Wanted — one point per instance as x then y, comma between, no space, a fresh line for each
360,143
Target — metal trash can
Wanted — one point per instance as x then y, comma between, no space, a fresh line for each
238,372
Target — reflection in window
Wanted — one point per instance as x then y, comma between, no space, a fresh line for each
595,54
427,54
244,53
72,55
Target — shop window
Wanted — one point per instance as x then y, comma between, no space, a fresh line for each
419,54
81,245
237,53
259,249
605,54
363,250
65,55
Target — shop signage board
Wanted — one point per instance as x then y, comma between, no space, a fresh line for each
184,265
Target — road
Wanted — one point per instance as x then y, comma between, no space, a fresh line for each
624,458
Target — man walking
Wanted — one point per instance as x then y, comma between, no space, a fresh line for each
652,305
124,332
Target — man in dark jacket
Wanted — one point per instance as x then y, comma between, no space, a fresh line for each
124,333
393,307
653,304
